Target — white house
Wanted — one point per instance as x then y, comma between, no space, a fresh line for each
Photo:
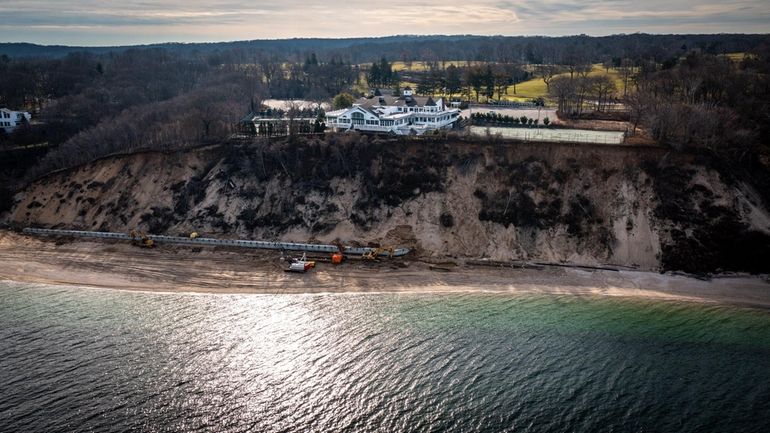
402,115
10,120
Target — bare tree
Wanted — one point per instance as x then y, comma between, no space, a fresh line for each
270,67
547,73
626,70
602,89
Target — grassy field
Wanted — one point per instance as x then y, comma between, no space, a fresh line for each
737,57
536,88
525,91
423,66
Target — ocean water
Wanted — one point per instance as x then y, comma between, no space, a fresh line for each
90,360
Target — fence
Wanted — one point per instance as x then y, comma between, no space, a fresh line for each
553,135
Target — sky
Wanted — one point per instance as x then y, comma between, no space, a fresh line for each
106,22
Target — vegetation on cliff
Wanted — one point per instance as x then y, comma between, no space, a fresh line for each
600,204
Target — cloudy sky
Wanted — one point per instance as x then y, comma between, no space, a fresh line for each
106,22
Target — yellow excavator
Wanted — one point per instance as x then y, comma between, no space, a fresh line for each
374,253
141,239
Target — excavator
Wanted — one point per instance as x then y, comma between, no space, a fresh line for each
141,239
374,253
339,256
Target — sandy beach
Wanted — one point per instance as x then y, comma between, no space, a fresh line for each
173,268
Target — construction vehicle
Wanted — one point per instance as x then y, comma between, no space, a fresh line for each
374,253
141,239
194,235
339,256
301,265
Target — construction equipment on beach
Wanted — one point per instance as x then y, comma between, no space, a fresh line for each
141,239
339,255
301,265
373,254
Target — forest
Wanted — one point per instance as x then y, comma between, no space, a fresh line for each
706,92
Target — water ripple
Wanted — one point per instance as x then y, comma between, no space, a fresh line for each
98,360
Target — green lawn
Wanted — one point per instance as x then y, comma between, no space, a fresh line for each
423,66
737,57
536,88
525,91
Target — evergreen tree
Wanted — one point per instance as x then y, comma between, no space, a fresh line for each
453,81
489,82
386,72
375,75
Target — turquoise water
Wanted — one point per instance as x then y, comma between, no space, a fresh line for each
99,360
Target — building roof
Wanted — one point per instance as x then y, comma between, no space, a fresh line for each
395,116
392,101
249,117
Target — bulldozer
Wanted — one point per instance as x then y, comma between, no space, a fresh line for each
374,253
141,239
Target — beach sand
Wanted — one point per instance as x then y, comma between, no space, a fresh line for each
170,268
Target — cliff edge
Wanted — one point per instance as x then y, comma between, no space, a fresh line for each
643,207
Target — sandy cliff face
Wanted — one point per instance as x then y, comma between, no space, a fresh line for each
583,204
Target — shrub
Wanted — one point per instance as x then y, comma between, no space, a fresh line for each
447,220
343,100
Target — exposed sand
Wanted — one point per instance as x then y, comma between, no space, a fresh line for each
172,268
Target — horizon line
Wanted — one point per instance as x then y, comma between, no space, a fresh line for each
435,35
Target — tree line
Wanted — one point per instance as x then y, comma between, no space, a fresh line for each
498,49
79,91
91,102
706,101
470,82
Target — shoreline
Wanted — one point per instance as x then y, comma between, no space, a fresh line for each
174,269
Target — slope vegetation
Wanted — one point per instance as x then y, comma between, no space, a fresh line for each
642,207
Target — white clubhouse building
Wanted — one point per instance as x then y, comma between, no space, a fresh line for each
10,120
403,115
